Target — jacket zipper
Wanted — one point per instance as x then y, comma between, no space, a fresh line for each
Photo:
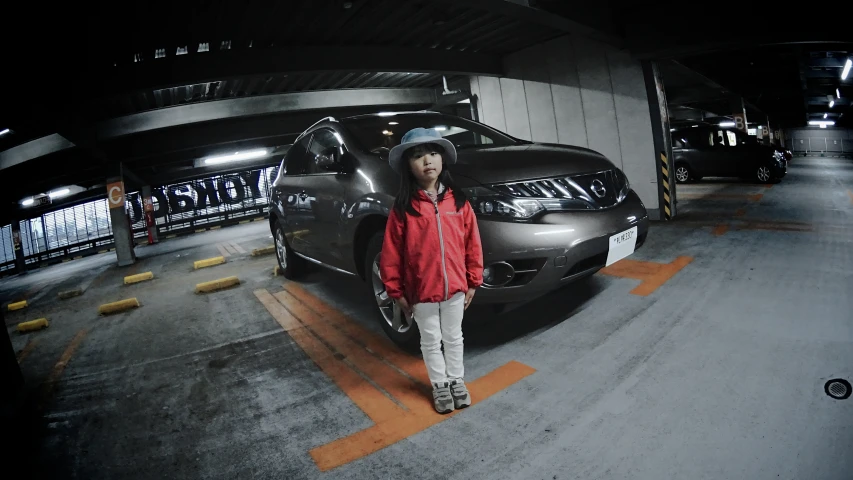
441,242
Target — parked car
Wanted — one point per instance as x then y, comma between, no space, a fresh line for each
548,214
712,151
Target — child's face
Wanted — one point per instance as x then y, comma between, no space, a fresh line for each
426,168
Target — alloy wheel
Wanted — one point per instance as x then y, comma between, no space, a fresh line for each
387,306
763,174
280,248
681,174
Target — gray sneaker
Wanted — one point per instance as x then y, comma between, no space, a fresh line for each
459,392
441,398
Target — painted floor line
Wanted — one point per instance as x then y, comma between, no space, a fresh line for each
222,250
238,247
55,373
345,351
27,350
651,274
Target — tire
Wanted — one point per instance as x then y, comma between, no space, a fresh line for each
404,333
683,173
763,174
292,266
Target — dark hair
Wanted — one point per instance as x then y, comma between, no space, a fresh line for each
409,187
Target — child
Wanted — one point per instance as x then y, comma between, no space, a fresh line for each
432,259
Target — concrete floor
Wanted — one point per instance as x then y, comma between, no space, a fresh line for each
717,374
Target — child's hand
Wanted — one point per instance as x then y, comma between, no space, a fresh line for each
404,306
469,296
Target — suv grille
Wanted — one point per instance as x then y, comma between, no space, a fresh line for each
594,190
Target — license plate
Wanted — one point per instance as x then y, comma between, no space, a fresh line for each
621,245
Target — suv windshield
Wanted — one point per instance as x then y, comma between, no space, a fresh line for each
378,134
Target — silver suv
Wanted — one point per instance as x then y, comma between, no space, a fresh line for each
548,214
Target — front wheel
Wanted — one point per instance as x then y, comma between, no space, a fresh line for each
401,330
763,174
291,265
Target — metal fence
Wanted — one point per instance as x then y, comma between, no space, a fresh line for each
7,249
815,144
177,208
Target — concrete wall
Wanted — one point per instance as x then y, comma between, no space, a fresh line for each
579,92
815,139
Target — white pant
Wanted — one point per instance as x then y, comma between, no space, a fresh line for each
437,322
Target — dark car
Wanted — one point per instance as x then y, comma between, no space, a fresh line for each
548,214
712,151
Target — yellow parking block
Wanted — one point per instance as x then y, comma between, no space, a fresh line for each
33,325
17,305
70,293
214,285
118,306
208,262
263,251
139,277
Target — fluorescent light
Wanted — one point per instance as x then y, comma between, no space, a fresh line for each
727,124
825,114
838,93
393,123
4,131
387,132
27,202
831,103
846,71
821,122
235,157
59,193
439,129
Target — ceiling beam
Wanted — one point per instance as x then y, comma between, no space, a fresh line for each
235,108
217,65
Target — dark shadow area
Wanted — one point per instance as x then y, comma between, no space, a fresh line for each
483,328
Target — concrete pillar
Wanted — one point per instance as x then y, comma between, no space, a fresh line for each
17,242
659,112
122,234
148,207
739,114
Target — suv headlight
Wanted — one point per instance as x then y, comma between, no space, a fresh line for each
491,203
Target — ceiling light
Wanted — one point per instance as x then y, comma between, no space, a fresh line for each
387,132
235,157
831,103
838,93
27,202
4,131
727,124
59,193
821,122
393,123
846,71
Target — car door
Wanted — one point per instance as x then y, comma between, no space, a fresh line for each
322,195
287,191
743,154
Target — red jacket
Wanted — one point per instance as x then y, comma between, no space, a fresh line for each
411,261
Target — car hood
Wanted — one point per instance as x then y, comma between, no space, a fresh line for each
490,165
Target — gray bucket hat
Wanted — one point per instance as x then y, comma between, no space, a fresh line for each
417,136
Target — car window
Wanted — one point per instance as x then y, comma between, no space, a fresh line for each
378,134
732,138
296,158
325,143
